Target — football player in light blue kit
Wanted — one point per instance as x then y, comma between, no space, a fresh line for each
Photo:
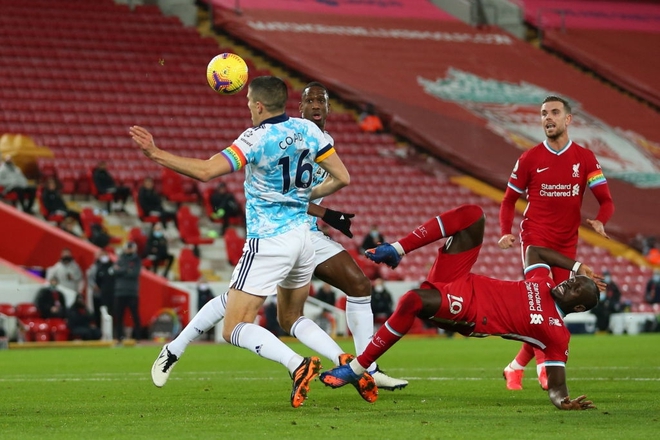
278,154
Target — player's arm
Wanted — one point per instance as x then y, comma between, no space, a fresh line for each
337,179
558,391
340,221
199,169
515,188
543,255
507,213
602,194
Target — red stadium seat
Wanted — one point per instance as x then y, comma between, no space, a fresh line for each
59,330
188,224
26,311
188,266
7,309
173,187
234,246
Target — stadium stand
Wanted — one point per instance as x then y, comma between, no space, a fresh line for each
617,40
466,95
75,83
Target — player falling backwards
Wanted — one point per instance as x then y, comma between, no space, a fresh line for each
455,299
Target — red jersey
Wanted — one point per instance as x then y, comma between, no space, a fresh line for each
555,182
479,306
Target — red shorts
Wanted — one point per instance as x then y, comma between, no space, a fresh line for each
449,267
450,275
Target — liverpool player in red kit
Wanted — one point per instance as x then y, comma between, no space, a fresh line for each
455,299
555,175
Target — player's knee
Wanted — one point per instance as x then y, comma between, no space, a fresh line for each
361,286
226,334
472,213
410,303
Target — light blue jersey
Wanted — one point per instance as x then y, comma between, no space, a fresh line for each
279,158
319,176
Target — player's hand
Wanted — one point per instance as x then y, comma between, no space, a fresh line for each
597,278
384,253
506,241
144,139
341,221
598,227
577,404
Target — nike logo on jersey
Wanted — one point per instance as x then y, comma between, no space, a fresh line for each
540,170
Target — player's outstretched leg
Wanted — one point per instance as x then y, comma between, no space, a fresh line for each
344,374
162,367
365,385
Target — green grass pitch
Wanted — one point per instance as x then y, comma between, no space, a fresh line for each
456,391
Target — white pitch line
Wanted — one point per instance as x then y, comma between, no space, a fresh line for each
205,377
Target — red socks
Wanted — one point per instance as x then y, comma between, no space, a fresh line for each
400,322
525,355
444,225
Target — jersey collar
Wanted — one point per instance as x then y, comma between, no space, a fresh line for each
276,119
566,147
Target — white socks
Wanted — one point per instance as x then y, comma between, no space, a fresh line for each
208,316
360,320
313,336
262,342
514,365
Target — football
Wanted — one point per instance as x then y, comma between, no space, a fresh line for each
227,73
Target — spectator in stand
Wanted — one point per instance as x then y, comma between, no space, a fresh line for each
652,291
52,200
69,225
372,239
369,122
610,302
326,294
50,301
224,205
81,321
270,315
105,184
204,293
381,301
156,250
127,286
151,202
12,180
101,284
67,271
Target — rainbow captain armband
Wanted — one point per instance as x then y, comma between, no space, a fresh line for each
235,157
595,178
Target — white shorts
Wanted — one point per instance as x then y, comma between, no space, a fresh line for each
324,247
286,260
